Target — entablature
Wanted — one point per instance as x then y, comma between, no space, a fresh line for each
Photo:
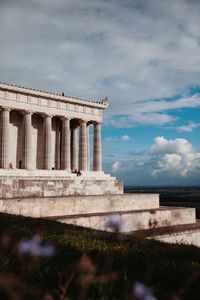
42,102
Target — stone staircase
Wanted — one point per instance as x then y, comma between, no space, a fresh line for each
19,183
138,214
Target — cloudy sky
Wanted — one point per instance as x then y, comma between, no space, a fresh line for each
143,54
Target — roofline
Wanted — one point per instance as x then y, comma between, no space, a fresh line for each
30,91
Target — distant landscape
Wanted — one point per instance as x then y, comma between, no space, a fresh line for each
173,196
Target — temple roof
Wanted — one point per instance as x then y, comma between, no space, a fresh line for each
55,96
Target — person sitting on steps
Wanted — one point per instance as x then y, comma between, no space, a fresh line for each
77,172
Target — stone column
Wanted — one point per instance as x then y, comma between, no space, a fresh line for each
74,149
88,147
83,146
48,142
28,140
65,154
57,147
97,160
5,147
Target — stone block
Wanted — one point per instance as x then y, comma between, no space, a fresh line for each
72,205
48,184
134,220
188,234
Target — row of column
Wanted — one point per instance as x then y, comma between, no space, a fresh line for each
69,143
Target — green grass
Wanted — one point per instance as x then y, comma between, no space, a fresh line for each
112,265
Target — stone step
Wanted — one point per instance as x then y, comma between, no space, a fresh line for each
78,205
132,220
27,187
182,234
54,174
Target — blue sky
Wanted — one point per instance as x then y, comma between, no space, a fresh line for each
144,55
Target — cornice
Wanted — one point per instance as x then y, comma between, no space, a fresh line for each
43,94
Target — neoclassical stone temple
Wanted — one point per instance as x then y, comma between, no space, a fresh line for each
41,130
43,137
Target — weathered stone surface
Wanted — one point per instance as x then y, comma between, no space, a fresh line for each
188,234
136,211
72,205
43,183
136,219
35,130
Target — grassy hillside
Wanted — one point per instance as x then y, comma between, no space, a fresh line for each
89,264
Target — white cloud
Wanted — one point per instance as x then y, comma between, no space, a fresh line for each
162,145
188,128
175,157
133,120
111,139
115,167
126,137
165,162
165,105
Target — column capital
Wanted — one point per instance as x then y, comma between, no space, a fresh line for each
98,123
48,115
75,127
95,122
45,115
83,121
27,112
63,118
6,108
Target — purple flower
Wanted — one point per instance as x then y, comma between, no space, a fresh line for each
114,222
140,292
33,247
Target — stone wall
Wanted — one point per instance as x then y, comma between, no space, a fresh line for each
79,205
14,187
134,220
188,237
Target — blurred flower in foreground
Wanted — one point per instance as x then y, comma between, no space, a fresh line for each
87,270
33,247
140,292
114,222
48,296
6,240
